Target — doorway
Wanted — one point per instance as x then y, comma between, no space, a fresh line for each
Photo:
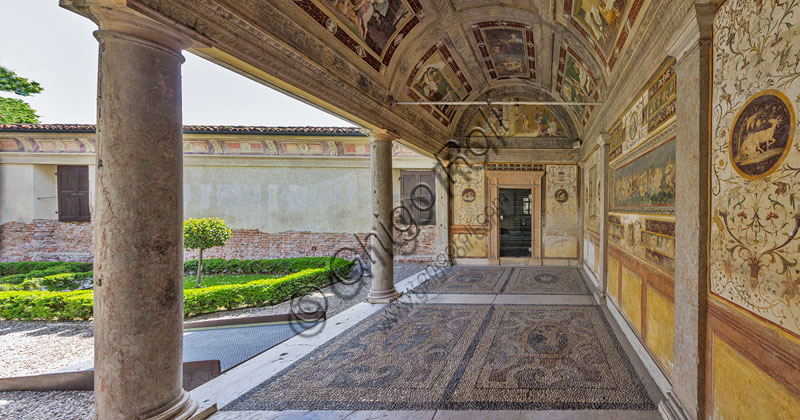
515,223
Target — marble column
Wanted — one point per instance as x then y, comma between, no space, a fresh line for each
381,243
605,175
138,219
691,48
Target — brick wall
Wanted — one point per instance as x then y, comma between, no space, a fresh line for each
49,240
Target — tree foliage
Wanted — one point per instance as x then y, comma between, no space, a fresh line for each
202,234
17,111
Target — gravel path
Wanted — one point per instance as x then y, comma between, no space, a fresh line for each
28,348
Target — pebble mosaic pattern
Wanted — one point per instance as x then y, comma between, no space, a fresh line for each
545,281
467,280
462,357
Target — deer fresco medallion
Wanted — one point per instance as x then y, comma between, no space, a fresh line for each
762,134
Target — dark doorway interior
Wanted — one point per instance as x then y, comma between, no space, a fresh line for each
515,222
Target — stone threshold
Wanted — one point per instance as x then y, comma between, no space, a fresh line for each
440,415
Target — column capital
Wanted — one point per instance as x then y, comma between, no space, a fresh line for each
604,139
135,20
694,29
380,134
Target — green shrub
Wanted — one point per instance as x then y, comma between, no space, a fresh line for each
50,270
64,281
273,267
28,305
9,268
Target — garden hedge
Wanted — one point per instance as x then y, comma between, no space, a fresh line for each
276,266
17,272
78,304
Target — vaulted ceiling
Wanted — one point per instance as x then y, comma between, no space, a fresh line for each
358,57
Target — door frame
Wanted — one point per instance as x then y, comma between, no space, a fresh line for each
519,179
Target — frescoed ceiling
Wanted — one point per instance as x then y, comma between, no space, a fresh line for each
357,58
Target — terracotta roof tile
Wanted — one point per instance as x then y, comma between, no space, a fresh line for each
194,129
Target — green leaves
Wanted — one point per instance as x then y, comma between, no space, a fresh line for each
10,82
205,233
16,111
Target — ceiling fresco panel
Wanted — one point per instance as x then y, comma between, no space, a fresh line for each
606,24
518,121
373,29
507,49
575,82
437,77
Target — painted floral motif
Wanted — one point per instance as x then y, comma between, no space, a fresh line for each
561,212
755,246
468,186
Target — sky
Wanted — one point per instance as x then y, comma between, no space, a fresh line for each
55,47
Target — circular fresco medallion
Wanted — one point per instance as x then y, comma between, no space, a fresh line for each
633,125
762,134
561,195
468,195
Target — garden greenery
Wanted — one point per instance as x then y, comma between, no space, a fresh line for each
29,305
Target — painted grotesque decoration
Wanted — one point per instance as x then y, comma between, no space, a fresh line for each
648,180
606,24
755,231
648,115
507,49
436,78
469,195
518,121
371,28
590,194
576,83
560,232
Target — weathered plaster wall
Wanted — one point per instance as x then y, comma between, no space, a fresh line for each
754,306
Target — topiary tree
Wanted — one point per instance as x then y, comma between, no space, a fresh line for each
203,234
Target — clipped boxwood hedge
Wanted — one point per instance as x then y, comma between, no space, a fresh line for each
16,273
78,304
275,267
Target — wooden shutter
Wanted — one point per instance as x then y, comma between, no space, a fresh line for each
73,194
417,189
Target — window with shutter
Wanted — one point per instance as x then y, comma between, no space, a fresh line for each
73,194
418,195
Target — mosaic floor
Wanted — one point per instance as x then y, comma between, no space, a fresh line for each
444,356
519,280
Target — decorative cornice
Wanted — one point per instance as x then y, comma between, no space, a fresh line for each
695,27
198,129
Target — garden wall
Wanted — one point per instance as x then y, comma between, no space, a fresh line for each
50,240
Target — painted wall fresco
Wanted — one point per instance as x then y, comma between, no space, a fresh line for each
560,232
507,48
437,77
591,193
373,29
755,246
519,121
647,182
469,195
606,24
652,112
576,83
650,238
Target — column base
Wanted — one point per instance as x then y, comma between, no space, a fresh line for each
671,409
383,296
182,408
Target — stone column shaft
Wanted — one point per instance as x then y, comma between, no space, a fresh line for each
138,220
691,48
381,242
